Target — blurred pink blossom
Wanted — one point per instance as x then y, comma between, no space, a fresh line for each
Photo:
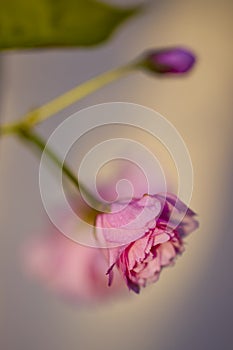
148,235
69,269
73,271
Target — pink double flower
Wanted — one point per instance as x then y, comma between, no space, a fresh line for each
147,234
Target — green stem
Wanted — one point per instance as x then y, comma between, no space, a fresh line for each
24,126
40,144
9,129
61,102
74,95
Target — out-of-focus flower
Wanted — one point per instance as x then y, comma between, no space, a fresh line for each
174,60
73,271
159,223
69,269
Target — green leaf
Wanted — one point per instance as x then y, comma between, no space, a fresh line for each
58,23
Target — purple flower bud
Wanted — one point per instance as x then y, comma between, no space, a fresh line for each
169,61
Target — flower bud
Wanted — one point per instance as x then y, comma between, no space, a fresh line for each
174,60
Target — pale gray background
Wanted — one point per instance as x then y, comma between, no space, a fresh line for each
191,306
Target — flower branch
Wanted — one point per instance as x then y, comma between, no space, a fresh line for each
169,61
173,61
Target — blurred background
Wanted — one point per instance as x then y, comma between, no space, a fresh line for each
191,306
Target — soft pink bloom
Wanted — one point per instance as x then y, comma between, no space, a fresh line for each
69,269
147,234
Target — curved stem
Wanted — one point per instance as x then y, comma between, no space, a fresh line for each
23,128
40,144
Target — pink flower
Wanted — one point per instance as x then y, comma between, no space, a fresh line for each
69,269
147,234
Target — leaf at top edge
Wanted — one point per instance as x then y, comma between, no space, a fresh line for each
58,23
